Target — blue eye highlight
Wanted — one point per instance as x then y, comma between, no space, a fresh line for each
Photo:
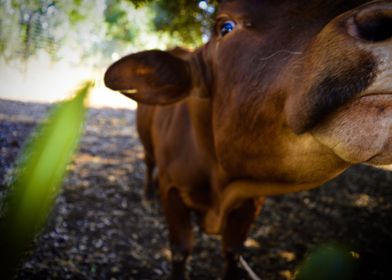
227,27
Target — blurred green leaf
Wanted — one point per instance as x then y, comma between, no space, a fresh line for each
39,176
328,262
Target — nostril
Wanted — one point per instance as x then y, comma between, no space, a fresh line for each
374,24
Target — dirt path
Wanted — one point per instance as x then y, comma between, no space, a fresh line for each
100,229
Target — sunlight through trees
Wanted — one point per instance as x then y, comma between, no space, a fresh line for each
96,32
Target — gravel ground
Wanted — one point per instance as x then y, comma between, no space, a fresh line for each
100,229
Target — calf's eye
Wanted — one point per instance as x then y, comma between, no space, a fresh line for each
227,27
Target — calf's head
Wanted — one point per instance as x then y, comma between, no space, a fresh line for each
279,71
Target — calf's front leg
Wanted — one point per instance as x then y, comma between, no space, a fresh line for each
178,217
234,234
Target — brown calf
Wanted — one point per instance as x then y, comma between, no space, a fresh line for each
285,96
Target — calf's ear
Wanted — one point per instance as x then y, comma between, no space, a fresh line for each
151,77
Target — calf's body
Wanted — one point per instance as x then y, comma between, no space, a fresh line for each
175,143
285,96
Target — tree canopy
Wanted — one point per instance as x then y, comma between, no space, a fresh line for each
189,20
99,28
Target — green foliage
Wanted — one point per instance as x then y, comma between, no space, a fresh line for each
118,27
38,179
139,3
29,26
94,30
328,262
20,22
185,19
